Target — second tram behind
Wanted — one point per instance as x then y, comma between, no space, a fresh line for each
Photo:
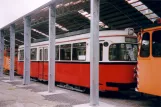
117,59
149,61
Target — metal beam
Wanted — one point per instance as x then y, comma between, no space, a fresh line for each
12,51
52,36
1,52
94,53
27,43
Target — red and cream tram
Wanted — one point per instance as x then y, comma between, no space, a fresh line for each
118,54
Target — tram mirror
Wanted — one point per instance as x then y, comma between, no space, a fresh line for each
105,44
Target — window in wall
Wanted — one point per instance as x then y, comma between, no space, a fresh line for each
156,44
21,56
41,54
123,52
57,53
79,51
145,45
45,54
65,52
33,53
101,51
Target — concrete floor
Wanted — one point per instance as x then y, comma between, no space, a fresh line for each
13,94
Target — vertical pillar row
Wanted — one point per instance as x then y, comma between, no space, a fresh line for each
12,51
52,36
27,43
94,53
1,52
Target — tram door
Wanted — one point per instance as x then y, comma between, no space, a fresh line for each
43,63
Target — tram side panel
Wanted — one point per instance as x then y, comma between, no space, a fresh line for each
112,75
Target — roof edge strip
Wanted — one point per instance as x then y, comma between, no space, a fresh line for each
37,9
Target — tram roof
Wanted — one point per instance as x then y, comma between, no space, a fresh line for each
73,16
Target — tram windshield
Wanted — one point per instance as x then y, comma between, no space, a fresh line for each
123,52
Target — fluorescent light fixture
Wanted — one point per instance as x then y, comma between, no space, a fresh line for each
19,40
31,37
88,16
9,41
37,31
142,8
6,40
61,27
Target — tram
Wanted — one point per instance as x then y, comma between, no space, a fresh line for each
149,60
117,59
6,64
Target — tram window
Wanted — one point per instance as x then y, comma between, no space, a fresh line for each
101,51
46,54
21,55
123,52
40,55
57,53
79,51
65,52
145,45
33,53
156,44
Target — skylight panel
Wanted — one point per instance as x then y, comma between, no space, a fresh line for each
136,4
147,11
142,8
88,16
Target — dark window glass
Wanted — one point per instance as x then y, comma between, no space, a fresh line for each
156,44
145,45
101,52
45,54
65,52
123,52
21,56
57,53
41,54
33,53
79,51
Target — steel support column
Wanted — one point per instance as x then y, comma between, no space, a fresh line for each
27,43
12,51
52,36
94,53
1,52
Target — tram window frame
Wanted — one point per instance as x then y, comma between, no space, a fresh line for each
21,55
142,52
65,47
79,47
34,57
156,45
57,52
124,51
